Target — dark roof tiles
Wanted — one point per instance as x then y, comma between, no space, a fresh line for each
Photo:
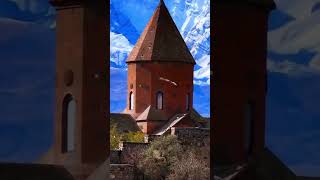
124,122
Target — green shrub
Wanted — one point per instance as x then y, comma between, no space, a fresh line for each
162,153
137,137
166,158
115,137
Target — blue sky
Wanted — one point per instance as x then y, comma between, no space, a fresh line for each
27,48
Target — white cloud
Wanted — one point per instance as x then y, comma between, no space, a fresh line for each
296,36
302,34
290,68
296,8
33,6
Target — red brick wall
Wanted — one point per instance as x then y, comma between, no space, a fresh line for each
144,78
239,66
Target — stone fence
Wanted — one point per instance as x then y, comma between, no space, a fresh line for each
115,156
192,136
122,172
123,161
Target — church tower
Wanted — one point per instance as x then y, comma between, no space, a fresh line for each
239,79
81,86
160,73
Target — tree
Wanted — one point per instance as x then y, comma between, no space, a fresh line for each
190,167
166,158
162,153
137,137
116,137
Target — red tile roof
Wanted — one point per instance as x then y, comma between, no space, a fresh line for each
161,41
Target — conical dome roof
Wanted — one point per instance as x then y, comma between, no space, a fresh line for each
161,40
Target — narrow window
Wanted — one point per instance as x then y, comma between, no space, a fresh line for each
68,124
249,125
159,100
187,101
131,101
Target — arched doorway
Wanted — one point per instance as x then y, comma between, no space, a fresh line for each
68,124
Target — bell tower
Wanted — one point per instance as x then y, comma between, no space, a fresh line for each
239,79
81,108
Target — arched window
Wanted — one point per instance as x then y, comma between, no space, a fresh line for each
68,124
159,100
249,127
131,101
188,102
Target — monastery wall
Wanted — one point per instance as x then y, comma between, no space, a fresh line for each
192,136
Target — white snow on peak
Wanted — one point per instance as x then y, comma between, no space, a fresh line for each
196,33
204,61
120,48
202,73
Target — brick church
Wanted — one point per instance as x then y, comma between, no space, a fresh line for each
160,77
160,92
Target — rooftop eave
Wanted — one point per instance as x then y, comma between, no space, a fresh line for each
160,61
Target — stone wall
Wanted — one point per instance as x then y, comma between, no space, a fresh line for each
115,156
122,172
192,136
123,162
197,138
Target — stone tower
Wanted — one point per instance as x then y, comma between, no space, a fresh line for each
239,78
160,73
81,86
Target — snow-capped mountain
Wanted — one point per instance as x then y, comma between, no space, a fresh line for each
120,48
196,32
121,24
